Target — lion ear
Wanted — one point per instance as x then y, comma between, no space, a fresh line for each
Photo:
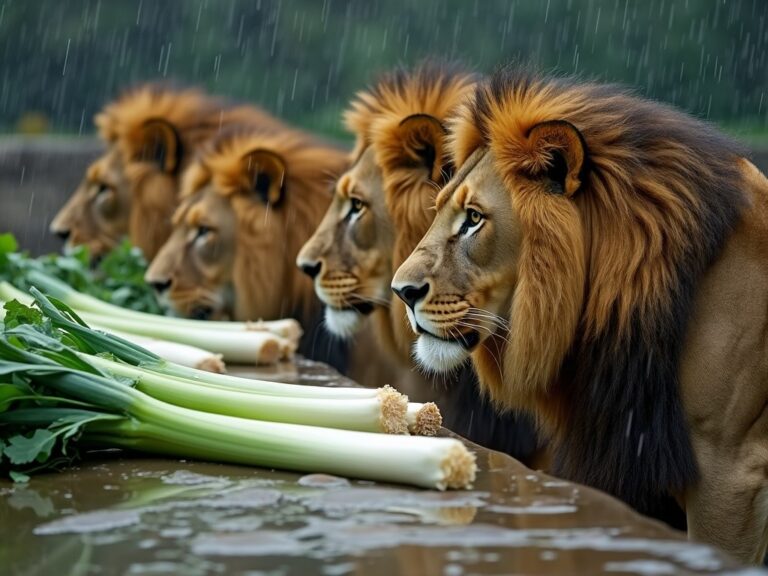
423,140
563,143
265,171
160,143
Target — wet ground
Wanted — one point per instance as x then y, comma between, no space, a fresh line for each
116,514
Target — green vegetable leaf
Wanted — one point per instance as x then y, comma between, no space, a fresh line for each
17,313
18,477
8,393
8,247
8,243
23,449
51,348
64,318
118,278
122,273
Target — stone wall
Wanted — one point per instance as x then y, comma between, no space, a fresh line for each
37,175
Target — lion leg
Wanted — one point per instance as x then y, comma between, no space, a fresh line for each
729,506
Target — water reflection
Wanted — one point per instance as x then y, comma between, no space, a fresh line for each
152,516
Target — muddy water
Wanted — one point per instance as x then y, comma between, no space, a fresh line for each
120,515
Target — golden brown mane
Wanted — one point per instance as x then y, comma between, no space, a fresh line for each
376,117
606,278
191,118
430,90
267,247
196,115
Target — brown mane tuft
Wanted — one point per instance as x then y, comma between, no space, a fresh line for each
193,118
432,90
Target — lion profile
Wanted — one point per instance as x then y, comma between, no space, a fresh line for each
248,202
602,259
151,133
383,202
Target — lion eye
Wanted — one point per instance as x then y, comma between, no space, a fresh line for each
472,220
357,205
102,188
202,232
355,208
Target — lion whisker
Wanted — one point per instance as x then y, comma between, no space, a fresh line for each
495,325
480,312
375,299
486,329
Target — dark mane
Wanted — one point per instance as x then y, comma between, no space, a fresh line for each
662,195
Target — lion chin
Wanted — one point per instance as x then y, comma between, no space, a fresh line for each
342,323
438,355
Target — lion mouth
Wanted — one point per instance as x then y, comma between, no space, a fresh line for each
201,312
466,340
362,307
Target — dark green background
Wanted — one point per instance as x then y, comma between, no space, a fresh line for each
303,59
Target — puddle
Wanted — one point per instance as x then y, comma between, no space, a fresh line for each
322,481
246,498
358,499
187,478
261,543
90,522
534,509
643,567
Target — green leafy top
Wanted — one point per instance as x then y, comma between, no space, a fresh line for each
118,278
48,393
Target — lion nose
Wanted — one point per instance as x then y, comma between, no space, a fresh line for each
411,294
63,234
160,286
311,269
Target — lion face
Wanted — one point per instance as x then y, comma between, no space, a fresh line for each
349,255
193,270
458,283
481,280
126,193
249,201
96,215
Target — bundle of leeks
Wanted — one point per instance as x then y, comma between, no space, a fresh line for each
68,387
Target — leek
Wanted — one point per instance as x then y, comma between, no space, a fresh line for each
61,400
385,412
423,419
150,425
249,344
382,410
93,341
183,354
287,328
238,347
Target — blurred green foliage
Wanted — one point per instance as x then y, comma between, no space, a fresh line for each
304,59
117,278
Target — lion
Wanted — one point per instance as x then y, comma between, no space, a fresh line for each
382,207
603,260
248,202
151,133
383,203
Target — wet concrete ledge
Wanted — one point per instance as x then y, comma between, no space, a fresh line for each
117,514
